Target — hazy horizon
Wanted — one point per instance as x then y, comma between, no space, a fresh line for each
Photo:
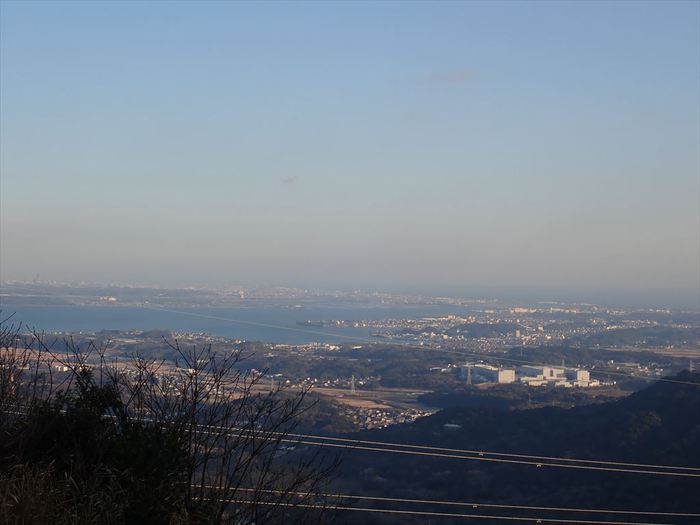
630,299
520,148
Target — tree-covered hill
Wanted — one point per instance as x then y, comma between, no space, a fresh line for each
657,425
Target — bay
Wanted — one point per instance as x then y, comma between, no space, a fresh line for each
271,323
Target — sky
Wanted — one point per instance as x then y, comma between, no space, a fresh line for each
551,147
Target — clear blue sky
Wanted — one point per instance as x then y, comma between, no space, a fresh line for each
546,146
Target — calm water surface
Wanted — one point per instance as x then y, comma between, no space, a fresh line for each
240,323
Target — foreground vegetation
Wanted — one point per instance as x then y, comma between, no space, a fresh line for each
84,441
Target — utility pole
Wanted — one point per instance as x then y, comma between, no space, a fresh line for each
469,374
352,385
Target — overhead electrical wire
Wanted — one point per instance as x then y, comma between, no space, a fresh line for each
354,441
459,503
320,441
433,514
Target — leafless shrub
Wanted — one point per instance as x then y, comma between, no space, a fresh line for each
202,439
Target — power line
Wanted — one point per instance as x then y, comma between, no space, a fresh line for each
504,454
445,455
432,514
474,451
427,451
460,503
478,455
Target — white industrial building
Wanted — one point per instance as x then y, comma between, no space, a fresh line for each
530,375
556,376
482,373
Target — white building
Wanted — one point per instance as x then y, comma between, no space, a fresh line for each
482,373
556,376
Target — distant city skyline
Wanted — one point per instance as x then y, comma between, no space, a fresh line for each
541,148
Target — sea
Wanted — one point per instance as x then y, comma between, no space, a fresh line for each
274,324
